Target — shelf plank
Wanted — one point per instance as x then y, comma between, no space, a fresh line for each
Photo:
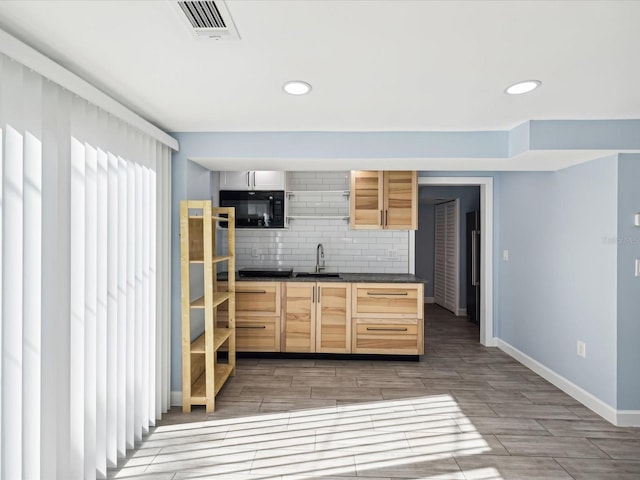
213,217
222,372
325,217
214,260
218,298
316,192
199,387
220,335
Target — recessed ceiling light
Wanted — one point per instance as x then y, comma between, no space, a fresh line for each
297,87
523,87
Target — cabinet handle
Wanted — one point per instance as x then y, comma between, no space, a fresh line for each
380,217
386,218
251,291
386,329
257,327
313,295
248,181
319,287
395,294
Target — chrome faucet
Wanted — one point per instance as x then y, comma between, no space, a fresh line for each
319,258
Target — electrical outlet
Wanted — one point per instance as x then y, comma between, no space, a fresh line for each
255,252
392,253
581,349
505,255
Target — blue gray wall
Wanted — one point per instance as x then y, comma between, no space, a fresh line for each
628,243
564,280
559,285
189,181
469,198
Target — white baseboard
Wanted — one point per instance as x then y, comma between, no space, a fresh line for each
626,418
429,300
176,398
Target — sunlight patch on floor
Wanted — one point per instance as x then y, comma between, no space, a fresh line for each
417,435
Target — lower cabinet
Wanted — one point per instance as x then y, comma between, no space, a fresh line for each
328,317
390,336
333,318
299,317
257,316
388,318
316,317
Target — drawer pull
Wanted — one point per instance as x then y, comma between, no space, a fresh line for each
388,329
258,327
401,294
251,291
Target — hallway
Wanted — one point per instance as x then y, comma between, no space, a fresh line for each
463,412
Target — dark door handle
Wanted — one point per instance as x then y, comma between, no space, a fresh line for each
387,329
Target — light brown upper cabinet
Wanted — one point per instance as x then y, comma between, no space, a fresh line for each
384,200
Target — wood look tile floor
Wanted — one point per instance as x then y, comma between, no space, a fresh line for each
462,412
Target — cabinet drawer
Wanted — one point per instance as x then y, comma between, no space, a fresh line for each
255,299
387,300
400,337
258,334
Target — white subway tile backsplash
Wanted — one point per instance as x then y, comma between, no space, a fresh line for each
358,251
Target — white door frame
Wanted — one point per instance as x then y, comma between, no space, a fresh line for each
486,247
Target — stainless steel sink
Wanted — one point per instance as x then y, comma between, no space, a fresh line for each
317,275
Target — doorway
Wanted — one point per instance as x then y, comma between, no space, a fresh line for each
486,246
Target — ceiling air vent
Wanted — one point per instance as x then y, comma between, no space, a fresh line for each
208,19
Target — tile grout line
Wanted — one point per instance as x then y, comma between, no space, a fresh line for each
562,467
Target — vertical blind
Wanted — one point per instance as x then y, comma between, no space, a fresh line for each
84,292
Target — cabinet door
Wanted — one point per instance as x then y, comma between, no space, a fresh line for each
366,200
333,318
299,317
240,180
401,200
267,180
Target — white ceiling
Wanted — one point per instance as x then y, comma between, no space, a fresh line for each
374,65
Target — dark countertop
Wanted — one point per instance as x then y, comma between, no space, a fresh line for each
344,277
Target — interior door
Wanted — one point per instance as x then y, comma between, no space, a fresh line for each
445,284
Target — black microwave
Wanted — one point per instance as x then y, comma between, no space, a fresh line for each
255,209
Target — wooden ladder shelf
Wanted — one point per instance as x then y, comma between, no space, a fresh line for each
204,370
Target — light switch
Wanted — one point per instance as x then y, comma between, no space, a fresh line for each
637,220
637,267
505,255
